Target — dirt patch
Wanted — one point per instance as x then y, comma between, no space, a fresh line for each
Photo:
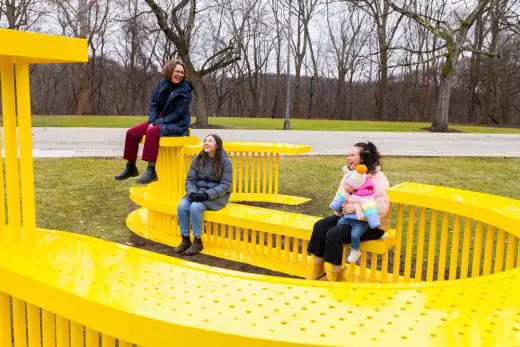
152,246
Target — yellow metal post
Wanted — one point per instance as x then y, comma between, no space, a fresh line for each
398,238
465,248
442,251
409,243
48,329
23,104
432,245
19,323
477,250
454,254
33,325
420,245
5,320
11,149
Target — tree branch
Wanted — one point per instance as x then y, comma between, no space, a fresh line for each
477,12
415,51
418,18
222,51
219,66
489,54
414,63
160,14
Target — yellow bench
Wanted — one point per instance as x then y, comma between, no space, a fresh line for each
256,168
271,239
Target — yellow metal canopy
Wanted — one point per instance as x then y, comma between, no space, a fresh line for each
37,48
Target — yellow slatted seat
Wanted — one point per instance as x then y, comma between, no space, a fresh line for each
292,226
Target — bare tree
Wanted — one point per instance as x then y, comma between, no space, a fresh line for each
254,37
454,38
277,102
303,10
87,19
21,14
379,10
348,40
183,16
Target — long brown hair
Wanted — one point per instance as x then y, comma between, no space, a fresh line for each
170,65
203,157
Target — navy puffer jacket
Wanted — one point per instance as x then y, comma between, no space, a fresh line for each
176,117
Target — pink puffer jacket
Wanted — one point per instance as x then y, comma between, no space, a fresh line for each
381,184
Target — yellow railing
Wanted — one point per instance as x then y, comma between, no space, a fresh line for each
444,233
256,169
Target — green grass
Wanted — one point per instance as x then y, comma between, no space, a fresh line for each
263,124
80,195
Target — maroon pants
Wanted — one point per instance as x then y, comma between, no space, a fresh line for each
151,144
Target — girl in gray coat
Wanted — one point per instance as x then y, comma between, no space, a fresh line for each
208,187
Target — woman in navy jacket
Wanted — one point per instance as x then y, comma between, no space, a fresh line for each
169,115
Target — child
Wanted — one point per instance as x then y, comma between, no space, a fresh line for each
357,188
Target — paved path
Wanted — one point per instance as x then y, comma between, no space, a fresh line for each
108,142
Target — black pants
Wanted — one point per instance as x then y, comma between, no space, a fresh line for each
327,239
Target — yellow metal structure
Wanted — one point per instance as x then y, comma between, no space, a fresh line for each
271,239
452,281
154,300
256,167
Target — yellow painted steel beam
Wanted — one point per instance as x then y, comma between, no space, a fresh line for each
268,147
34,48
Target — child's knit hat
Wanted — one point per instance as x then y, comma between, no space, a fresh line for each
358,177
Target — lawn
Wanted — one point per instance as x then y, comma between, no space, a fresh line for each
263,124
81,195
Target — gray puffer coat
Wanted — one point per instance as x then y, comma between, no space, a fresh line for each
204,180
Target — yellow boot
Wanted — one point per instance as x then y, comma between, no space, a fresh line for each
333,276
316,271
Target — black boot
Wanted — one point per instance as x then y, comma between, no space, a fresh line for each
149,176
184,245
195,247
129,171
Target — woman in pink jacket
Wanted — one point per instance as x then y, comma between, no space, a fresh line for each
327,239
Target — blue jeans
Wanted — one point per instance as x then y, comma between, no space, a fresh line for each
358,229
188,210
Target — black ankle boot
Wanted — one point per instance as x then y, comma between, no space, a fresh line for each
184,245
129,171
149,176
195,247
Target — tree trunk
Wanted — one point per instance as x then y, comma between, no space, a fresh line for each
495,95
340,94
382,86
475,71
84,92
442,109
84,73
201,99
297,88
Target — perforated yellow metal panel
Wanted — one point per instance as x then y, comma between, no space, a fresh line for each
151,299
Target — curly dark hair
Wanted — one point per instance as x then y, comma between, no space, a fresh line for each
369,155
169,66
